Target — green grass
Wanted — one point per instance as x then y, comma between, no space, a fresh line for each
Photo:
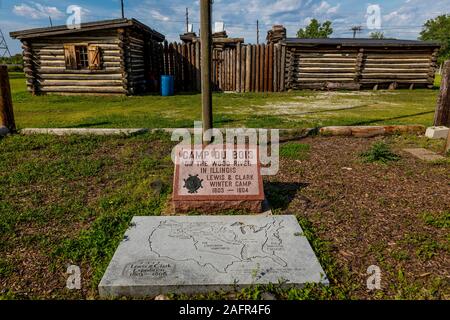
437,220
294,150
380,152
298,109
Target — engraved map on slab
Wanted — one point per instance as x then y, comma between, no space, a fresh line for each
219,244
199,254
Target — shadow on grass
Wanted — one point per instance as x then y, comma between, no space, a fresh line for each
362,123
90,125
281,194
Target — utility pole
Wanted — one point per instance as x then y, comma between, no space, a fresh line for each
4,50
257,31
355,30
51,22
123,9
187,20
205,37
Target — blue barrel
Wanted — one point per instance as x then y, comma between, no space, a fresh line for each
167,86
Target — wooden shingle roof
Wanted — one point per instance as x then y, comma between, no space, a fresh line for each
86,27
350,42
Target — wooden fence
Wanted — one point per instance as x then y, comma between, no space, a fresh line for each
276,67
243,68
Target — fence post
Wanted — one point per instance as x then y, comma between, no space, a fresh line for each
442,115
6,107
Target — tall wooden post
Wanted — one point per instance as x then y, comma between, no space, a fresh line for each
442,115
206,51
6,107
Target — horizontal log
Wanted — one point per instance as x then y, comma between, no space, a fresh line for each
398,66
395,71
312,70
80,83
395,76
397,56
64,71
325,60
82,77
324,75
324,65
324,55
103,89
390,81
397,61
303,80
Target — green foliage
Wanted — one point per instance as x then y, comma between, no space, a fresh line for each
315,30
294,150
15,59
6,268
438,29
377,35
380,152
437,220
426,247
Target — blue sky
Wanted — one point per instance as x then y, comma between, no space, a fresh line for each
399,18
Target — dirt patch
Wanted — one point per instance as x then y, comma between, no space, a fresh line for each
372,214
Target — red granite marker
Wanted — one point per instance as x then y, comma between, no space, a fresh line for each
217,178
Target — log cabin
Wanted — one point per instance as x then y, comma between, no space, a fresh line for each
103,57
339,63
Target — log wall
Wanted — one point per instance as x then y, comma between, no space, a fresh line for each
46,70
355,68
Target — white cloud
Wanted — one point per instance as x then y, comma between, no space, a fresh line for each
158,16
326,8
36,10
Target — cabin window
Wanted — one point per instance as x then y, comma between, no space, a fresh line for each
82,57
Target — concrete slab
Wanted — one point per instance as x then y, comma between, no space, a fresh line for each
424,154
437,132
82,131
199,254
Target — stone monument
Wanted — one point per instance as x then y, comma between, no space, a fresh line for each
217,178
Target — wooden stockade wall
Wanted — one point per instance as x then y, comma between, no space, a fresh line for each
240,68
279,67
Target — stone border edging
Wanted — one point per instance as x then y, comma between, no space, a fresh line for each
285,134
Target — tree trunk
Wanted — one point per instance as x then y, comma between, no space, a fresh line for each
442,115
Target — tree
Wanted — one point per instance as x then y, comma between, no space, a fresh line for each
377,35
315,29
438,29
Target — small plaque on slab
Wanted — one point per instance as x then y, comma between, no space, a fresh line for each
217,178
200,254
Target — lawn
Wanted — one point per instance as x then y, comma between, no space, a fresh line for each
298,109
68,200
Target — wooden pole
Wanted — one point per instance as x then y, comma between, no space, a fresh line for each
205,36
442,115
6,107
